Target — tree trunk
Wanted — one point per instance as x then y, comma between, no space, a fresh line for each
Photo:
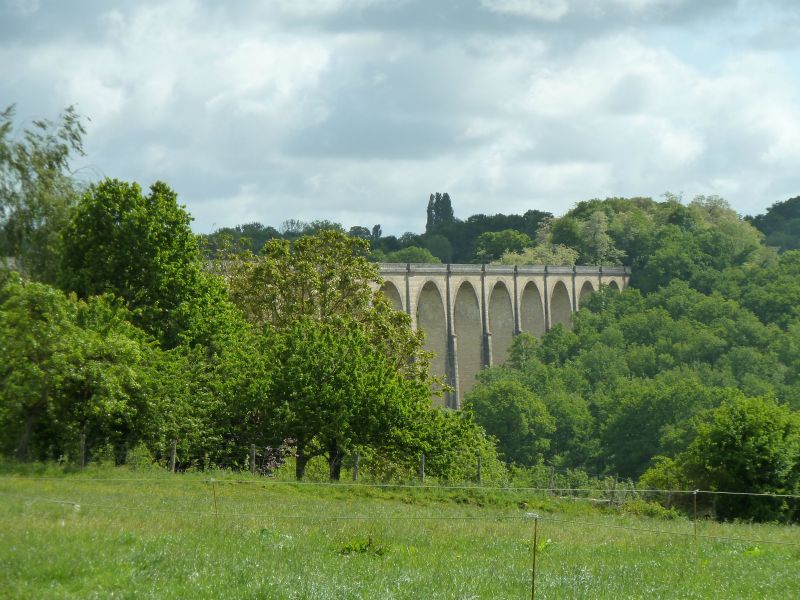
25,438
335,457
300,465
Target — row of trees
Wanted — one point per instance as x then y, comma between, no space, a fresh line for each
480,238
612,231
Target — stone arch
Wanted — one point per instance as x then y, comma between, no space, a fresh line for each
390,290
432,320
469,337
532,310
560,306
613,285
587,289
501,322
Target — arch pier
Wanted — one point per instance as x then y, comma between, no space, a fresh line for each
470,313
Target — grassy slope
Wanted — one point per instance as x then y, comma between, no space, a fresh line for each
277,540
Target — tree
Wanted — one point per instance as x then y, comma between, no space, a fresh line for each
377,233
439,246
318,225
316,297
37,190
542,254
333,390
70,367
566,231
360,232
411,254
494,244
647,415
324,277
440,212
781,224
141,249
747,445
600,248
293,228
516,417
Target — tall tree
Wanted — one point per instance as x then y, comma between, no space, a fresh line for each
600,249
37,190
440,212
516,417
338,341
140,248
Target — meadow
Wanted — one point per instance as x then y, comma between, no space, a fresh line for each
122,533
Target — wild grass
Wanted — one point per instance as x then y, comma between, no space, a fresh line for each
123,533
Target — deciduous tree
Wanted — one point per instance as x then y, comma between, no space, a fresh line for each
37,190
139,248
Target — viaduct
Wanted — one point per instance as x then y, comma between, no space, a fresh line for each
470,313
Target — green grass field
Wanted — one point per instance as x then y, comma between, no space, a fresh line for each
119,533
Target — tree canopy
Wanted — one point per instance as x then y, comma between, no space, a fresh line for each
348,370
37,190
141,249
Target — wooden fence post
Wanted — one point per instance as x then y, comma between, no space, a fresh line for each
252,459
355,467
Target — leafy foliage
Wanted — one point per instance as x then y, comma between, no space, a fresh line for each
72,368
37,190
494,244
141,249
638,373
409,254
540,255
781,224
333,390
689,377
745,445
516,417
347,369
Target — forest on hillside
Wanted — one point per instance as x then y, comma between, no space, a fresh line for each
122,330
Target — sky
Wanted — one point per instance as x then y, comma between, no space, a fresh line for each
356,110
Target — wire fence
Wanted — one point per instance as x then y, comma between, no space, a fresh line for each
633,490
368,469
